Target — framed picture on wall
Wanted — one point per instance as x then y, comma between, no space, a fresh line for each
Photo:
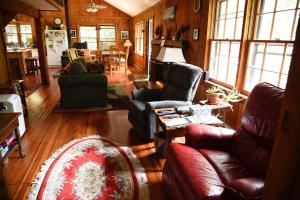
124,35
195,34
73,33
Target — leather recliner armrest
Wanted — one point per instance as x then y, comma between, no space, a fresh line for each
208,137
147,95
150,106
245,189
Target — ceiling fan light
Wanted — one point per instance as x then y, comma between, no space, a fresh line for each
91,10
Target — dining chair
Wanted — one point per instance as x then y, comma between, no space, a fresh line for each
114,61
73,54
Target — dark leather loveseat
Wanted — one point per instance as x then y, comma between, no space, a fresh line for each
217,163
80,87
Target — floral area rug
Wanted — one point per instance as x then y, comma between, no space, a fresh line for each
91,168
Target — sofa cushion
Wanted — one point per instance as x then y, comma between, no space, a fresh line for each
244,189
227,166
77,68
197,177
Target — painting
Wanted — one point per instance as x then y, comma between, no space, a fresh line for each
195,34
169,14
73,33
124,35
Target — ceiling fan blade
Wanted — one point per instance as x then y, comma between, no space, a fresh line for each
100,6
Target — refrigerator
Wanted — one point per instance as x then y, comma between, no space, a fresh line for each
56,43
12,103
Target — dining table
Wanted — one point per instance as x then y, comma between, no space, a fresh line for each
114,53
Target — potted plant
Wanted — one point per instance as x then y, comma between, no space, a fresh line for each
213,95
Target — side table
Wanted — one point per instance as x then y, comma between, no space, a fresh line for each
177,132
9,125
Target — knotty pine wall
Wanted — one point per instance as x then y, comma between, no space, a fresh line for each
184,15
4,77
79,17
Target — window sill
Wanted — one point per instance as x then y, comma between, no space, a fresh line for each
243,94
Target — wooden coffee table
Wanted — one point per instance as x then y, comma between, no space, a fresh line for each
175,133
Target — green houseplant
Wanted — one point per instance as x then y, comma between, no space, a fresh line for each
216,94
213,95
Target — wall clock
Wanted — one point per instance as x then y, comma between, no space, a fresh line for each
197,5
57,21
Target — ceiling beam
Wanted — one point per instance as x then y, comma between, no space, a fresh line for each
56,4
7,16
16,6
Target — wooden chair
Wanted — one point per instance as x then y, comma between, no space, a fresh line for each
32,65
123,61
73,54
113,61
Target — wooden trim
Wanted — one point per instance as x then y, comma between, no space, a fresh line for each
40,35
7,16
17,6
282,181
208,36
244,47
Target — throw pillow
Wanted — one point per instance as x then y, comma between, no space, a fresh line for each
77,68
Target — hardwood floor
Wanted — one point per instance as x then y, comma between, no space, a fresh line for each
48,131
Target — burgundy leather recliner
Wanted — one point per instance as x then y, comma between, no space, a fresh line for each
218,163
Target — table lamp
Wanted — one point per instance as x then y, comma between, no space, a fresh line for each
170,55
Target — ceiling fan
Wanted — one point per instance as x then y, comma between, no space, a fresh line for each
92,7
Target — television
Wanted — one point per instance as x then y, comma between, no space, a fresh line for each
80,45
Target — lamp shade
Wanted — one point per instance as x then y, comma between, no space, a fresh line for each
169,54
127,43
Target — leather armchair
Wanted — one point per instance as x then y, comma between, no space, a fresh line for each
218,163
181,84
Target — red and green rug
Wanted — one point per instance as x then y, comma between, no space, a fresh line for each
91,168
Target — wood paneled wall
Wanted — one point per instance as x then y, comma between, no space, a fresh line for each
80,17
3,62
184,15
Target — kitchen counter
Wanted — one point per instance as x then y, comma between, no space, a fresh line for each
17,62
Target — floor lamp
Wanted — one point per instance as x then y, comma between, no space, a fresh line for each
127,44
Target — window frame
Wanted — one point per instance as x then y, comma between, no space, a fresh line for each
114,42
250,18
96,37
139,38
214,21
19,34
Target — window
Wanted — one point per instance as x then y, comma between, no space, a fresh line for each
107,37
88,34
226,40
26,33
271,44
139,38
11,34
267,52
